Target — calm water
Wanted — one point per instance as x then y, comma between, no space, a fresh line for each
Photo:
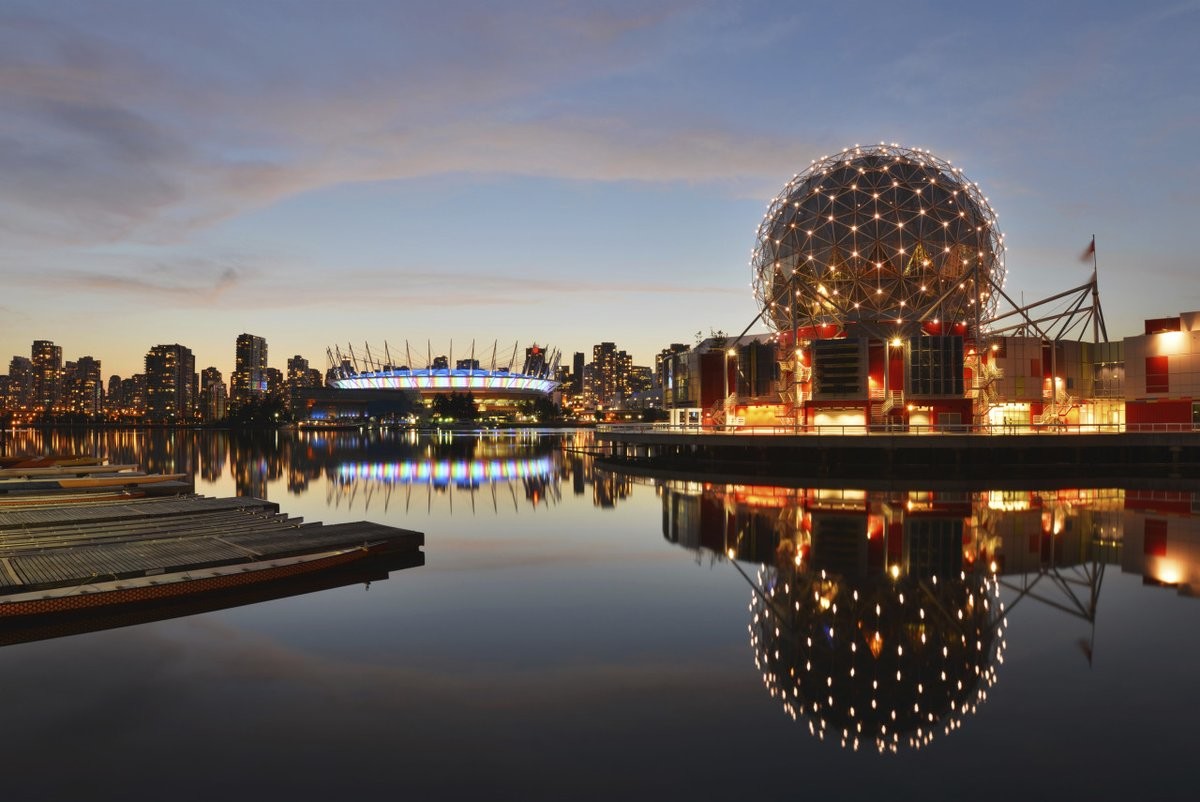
576,634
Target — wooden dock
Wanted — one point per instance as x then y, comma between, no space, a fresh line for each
87,554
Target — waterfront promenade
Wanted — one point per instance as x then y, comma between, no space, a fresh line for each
866,452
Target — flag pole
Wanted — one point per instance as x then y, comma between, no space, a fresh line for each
1095,295
1099,329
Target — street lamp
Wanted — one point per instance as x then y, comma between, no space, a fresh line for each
725,373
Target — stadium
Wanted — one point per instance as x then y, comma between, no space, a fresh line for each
374,382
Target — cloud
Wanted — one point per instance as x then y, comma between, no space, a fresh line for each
81,172
462,289
190,282
1171,12
260,282
109,138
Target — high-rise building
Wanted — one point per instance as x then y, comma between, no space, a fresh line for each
170,377
297,371
22,384
611,371
214,396
48,374
299,377
83,387
118,401
249,374
562,375
577,373
133,390
275,382
641,378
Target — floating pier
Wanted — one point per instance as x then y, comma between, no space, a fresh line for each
87,554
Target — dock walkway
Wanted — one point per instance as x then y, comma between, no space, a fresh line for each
74,545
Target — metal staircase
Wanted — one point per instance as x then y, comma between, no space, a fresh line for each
792,377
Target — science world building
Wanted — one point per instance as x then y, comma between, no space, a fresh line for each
880,275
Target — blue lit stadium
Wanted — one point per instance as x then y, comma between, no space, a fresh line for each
498,379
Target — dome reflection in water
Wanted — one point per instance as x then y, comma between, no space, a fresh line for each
876,617
883,658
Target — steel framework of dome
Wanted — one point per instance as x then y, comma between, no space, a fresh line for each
882,237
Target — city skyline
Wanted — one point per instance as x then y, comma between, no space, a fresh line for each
250,348
569,175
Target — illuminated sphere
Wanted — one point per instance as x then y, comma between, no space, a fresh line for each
876,235
876,663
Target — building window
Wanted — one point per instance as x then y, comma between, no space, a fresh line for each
1157,375
838,368
935,366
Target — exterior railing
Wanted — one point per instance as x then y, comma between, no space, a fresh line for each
1050,429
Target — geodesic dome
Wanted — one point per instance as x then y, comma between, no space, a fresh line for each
879,234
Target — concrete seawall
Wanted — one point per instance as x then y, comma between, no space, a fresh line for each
1174,454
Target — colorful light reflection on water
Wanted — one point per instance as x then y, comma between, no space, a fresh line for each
598,647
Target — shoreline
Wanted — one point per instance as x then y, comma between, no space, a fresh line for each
1174,455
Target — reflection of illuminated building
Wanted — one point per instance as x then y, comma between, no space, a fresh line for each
256,460
1022,531
1162,538
869,619
728,519
879,616
882,659
442,465
366,467
609,488
214,450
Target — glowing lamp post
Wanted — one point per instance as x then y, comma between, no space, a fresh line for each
725,373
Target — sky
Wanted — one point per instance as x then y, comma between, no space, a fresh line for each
564,173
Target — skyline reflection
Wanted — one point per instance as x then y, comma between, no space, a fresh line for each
1150,530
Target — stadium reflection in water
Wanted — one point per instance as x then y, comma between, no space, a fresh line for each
509,467
879,617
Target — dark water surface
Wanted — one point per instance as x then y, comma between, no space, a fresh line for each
578,634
